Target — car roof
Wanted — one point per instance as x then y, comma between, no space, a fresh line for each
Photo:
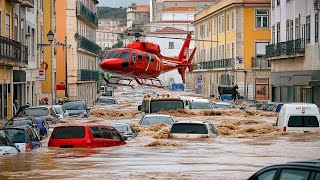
36,107
191,122
84,125
152,115
15,127
118,123
223,103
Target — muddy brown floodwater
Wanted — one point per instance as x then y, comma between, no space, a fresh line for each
247,142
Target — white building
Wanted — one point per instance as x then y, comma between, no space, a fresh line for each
137,16
294,51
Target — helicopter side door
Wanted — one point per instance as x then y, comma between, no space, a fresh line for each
140,62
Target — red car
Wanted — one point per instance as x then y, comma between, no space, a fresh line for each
90,136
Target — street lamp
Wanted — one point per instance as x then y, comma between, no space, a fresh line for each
50,36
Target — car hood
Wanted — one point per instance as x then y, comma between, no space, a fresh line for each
5,150
76,112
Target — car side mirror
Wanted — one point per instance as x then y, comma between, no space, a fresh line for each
139,107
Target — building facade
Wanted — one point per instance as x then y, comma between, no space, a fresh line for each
294,51
13,55
231,49
76,37
137,16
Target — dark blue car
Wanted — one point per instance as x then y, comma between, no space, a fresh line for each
23,137
43,126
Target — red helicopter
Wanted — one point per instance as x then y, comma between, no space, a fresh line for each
142,61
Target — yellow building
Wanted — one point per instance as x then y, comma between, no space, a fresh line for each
233,36
13,54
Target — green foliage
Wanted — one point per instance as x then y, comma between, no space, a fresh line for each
118,45
112,13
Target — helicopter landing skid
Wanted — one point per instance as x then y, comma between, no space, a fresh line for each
117,80
140,82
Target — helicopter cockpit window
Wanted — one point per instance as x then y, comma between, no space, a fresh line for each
139,56
152,58
148,57
134,56
109,55
125,55
115,54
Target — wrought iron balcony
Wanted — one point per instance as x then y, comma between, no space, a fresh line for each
27,3
12,53
260,63
88,75
218,64
288,49
88,45
86,14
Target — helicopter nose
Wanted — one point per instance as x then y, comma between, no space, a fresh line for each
110,65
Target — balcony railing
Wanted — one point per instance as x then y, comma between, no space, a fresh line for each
12,53
85,13
260,63
27,3
88,45
288,48
88,75
217,64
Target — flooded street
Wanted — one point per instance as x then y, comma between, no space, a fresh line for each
246,144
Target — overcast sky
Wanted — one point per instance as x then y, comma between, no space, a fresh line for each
123,3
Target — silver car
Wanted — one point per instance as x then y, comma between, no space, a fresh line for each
6,145
60,111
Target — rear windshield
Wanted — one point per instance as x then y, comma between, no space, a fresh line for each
166,105
200,105
188,128
122,128
15,135
157,119
303,121
75,105
37,111
58,110
20,122
68,132
223,106
107,101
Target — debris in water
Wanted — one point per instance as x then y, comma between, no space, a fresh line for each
114,113
162,143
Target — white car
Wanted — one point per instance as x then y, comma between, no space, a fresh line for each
222,105
193,129
6,145
151,119
60,111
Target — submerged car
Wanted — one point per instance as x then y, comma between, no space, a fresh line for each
222,105
24,121
103,100
76,108
61,111
151,119
7,146
46,112
89,136
24,138
125,129
192,129
304,170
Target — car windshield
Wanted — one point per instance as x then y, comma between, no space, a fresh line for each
303,121
58,109
165,105
20,122
223,106
4,141
157,119
122,128
75,105
189,128
68,132
107,101
200,105
41,111
16,135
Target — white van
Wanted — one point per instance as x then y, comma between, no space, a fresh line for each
196,103
298,117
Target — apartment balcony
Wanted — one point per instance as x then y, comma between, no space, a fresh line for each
260,63
88,45
12,53
88,75
27,3
86,14
284,50
217,64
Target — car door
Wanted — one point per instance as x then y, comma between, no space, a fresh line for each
34,139
97,137
107,137
294,174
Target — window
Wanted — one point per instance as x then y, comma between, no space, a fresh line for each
303,121
297,28
152,57
222,24
308,29
171,45
95,131
125,55
316,27
69,132
273,34
106,134
278,2
215,26
0,28
262,18
232,21
228,50
228,22
232,50
139,56
16,28
278,32
147,57
7,25
223,55
287,30
291,30
294,174
116,134
268,175
32,42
